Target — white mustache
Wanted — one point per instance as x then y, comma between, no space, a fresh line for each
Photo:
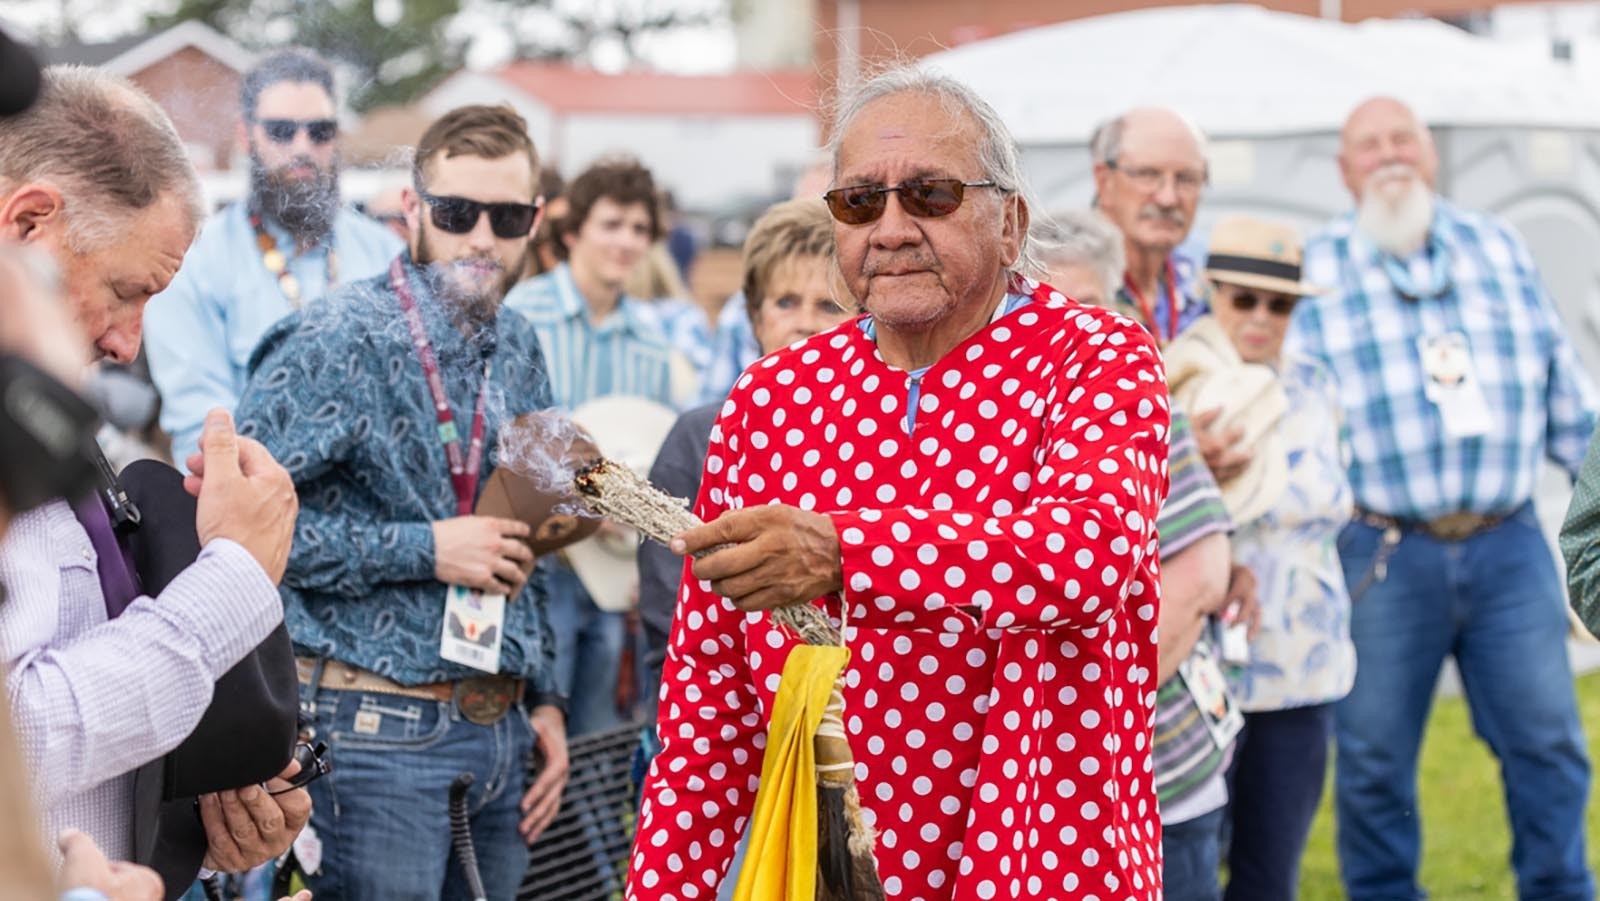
1393,171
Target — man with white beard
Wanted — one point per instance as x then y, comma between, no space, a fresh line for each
1455,379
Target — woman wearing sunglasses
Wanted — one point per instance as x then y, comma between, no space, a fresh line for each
1288,507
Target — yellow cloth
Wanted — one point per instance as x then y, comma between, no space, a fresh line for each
781,862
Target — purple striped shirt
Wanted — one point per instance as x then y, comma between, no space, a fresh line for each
94,699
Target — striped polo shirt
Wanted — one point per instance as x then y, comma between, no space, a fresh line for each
626,353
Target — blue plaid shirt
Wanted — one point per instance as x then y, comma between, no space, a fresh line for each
628,353
734,348
1402,462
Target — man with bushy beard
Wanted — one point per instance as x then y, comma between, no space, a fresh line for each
287,244
1455,378
423,653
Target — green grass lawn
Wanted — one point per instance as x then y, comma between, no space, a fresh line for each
1466,847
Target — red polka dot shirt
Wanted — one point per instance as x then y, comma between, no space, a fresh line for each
1000,574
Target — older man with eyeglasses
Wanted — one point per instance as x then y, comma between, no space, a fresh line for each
1149,170
968,478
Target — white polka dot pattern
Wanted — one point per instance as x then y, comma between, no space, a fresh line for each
1001,687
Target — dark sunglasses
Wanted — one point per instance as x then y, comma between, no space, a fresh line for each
459,215
313,766
1245,301
282,131
925,198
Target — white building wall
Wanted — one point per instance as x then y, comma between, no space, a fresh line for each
774,34
706,161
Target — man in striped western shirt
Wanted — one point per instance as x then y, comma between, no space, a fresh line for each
1456,380
597,341
1190,759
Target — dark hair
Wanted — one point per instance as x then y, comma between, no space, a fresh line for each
293,64
551,184
487,131
621,179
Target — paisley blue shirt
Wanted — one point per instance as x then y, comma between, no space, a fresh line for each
338,396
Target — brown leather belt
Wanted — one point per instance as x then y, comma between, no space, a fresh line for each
1451,527
482,699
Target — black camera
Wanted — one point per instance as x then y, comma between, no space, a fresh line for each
47,431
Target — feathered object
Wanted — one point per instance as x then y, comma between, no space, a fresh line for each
806,731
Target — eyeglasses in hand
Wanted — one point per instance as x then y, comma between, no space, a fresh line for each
313,766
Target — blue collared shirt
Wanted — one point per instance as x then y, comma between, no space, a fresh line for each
628,353
1403,463
733,349
200,331
338,396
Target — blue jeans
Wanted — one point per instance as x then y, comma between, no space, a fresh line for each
1274,786
382,813
1190,856
588,652
1494,602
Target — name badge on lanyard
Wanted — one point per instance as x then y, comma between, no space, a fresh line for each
473,622
1202,678
1451,383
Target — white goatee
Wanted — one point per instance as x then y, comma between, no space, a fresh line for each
1396,217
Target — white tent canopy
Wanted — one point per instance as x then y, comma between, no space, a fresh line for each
1244,71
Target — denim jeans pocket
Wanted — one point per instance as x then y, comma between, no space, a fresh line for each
376,721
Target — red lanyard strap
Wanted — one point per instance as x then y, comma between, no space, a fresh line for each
463,472
1147,306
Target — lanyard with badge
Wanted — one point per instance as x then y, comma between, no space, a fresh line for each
474,623
1147,306
1450,376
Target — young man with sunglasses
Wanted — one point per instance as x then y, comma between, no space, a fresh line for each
287,244
423,652
970,475
598,341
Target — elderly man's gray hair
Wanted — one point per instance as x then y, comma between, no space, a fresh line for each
1105,145
1082,238
107,146
997,151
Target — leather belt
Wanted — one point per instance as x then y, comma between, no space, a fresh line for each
1450,527
481,699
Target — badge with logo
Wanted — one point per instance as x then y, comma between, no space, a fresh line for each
474,624
1452,385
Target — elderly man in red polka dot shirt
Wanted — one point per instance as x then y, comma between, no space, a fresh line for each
968,475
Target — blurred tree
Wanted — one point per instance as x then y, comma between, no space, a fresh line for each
398,49
568,29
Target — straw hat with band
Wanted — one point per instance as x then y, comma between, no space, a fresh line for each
1254,253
